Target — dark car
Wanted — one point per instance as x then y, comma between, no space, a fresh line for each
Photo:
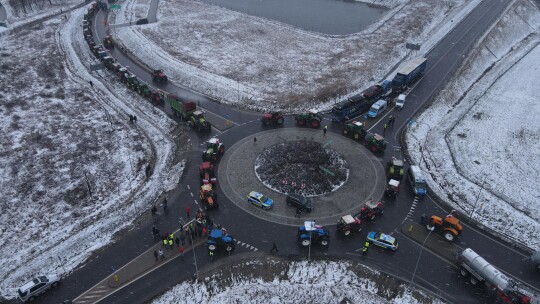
299,202
142,21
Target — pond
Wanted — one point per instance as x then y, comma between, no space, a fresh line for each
333,17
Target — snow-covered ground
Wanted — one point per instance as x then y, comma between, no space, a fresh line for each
258,63
294,282
480,139
61,136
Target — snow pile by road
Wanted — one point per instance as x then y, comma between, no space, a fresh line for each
295,282
261,64
480,139
62,136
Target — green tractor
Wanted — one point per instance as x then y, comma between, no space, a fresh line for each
311,118
144,90
214,150
355,130
132,82
395,169
198,121
108,62
375,143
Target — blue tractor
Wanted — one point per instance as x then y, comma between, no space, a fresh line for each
312,233
218,238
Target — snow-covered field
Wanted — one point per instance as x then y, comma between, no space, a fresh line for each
275,281
480,139
61,136
227,54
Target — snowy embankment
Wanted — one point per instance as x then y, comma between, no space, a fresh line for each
480,138
62,137
257,63
276,281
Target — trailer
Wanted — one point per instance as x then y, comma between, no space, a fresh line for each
408,73
350,108
478,270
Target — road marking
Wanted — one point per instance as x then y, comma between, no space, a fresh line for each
188,187
191,193
196,203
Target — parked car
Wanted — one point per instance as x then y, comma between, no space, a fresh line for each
299,202
260,200
377,108
400,101
383,240
30,290
142,21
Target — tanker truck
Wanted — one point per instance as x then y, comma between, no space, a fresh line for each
477,270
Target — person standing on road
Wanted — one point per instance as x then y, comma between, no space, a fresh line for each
154,210
254,139
161,255
171,243
298,212
156,255
274,247
325,130
181,251
391,120
165,207
177,241
187,211
365,249
384,130
183,239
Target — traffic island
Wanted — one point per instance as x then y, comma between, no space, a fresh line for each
238,177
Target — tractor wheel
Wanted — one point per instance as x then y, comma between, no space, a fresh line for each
356,136
473,280
347,232
305,242
449,236
315,124
229,248
345,132
324,242
280,121
464,272
430,227
212,247
301,122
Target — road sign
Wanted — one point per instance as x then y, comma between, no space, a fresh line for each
115,6
327,171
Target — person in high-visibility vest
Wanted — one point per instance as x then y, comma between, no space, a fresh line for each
366,247
171,242
165,242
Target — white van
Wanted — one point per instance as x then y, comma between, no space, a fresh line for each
417,180
400,101
377,108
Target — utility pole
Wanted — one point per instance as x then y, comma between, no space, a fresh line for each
478,196
418,261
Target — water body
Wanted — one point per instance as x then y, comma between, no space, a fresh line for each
333,17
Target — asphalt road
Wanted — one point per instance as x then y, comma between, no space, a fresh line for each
434,272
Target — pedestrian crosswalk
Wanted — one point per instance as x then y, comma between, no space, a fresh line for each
93,295
411,211
246,245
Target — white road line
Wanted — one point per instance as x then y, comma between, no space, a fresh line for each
243,244
238,242
191,193
255,249
188,187
196,203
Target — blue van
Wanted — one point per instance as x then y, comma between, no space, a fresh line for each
417,180
377,108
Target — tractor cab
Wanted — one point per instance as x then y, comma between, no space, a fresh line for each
395,169
159,76
157,98
348,224
370,210
392,189
214,150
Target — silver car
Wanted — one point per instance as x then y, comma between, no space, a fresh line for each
30,290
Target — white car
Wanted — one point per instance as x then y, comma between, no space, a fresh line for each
30,290
400,101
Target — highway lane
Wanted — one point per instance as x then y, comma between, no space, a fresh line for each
433,273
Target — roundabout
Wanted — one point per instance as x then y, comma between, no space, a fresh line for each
362,175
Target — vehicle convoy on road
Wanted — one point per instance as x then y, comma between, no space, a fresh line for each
375,143
37,286
187,111
354,130
408,73
382,240
214,150
260,200
353,223
478,270
449,227
275,118
312,233
311,118
220,239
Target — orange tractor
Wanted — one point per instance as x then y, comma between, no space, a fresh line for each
208,197
449,227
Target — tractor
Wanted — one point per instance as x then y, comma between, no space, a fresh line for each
449,227
394,169
312,233
355,130
159,77
375,143
132,82
108,42
102,54
214,150
96,49
392,189
157,98
122,73
108,62
208,197
275,118
353,223
207,174
144,90
198,121
218,238
311,118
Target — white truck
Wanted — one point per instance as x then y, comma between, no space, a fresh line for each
478,270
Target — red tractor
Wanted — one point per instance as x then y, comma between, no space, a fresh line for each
157,98
272,118
206,173
159,77
353,223
108,42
